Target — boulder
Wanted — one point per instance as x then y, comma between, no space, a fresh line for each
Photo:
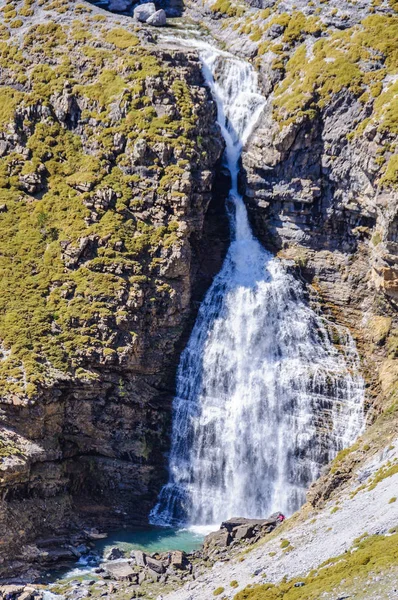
158,19
153,575
139,557
121,572
155,565
144,11
243,532
114,554
177,559
10,590
141,577
234,523
120,5
220,539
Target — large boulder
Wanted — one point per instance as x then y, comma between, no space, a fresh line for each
234,523
144,11
219,539
114,554
121,572
177,559
155,565
158,19
139,557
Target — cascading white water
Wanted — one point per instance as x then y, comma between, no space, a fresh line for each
264,397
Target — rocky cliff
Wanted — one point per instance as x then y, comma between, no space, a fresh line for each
108,150
320,171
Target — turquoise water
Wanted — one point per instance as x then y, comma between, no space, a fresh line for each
154,539
150,540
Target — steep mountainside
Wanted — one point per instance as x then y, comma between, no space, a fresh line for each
111,231
108,147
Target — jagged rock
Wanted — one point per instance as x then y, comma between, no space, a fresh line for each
142,12
141,577
219,539
177,559
4,145
139,557
31,182
233,524
155,565
114,554
11,590
158,19
243,532
153,575
65,105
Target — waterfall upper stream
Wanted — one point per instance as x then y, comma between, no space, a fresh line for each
264,396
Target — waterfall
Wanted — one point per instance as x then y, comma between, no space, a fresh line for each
263,398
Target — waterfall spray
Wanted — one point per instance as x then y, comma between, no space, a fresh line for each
264,398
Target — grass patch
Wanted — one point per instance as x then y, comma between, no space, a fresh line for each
218,591
122,38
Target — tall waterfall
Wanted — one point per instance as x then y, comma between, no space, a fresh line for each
264,397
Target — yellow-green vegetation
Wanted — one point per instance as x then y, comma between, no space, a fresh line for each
390,177
371,556
9,99
218,591
234,583
296,26
228,8
337,63
379,326
341,456
73,247
285,543
387,470
121,38
392,500
8,448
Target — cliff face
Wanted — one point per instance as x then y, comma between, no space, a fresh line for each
320,174
320,171
108,152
